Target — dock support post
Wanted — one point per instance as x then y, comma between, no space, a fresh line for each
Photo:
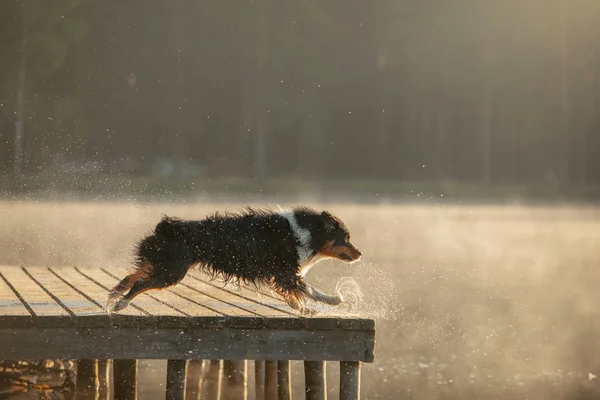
176,371
284,380
193,380
211,380
234,380
125,379
315,378
104,379
87,379
270,380
259,379
349,380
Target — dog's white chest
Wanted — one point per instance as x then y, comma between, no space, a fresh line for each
305,258
309,263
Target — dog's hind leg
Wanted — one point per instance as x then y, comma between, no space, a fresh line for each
317,295
116,294
139,286
151,278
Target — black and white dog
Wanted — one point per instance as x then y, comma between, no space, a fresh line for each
276,248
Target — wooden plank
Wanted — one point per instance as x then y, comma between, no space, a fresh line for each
323,320
243,293
176,371
349,380
46,311
125,379
273,317
240,314
357,323
162,314
319,321
230,316
235,316
131,316
315,380
248,302
186,301
215,299
12,311
284,380
86,312
181,343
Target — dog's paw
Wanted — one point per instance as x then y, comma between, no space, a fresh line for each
115,302
337,300
306,311
333,300
121,304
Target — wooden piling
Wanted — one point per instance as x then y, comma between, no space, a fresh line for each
234,380
284,380
271,380
259,379
315,378
349,380
104,387
125,379
87,379
193,380
176,373
211,380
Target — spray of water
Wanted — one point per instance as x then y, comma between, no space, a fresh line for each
374,297
349,290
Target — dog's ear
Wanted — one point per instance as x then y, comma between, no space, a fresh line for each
327,222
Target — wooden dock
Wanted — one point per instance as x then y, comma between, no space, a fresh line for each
56,313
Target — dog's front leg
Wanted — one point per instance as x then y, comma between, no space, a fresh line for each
317,295
301,307
294,297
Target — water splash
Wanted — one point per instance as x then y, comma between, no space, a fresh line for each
374,297
349,290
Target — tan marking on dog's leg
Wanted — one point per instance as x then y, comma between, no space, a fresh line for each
295,299
115,300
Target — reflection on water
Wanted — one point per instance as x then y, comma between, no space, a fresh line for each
24,379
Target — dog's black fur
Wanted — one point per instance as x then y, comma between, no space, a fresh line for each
254,246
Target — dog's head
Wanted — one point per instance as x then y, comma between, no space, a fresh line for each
329,235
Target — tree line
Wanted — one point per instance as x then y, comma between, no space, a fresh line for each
496,91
